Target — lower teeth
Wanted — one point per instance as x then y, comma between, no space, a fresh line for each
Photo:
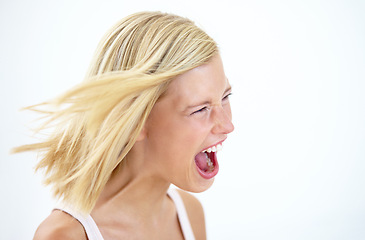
209,163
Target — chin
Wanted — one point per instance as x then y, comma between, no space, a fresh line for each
198,186
202,188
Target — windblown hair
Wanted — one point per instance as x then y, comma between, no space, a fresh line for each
97,122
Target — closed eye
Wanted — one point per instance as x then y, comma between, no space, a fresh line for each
200,110
226,97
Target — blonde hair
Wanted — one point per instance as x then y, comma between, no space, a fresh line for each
97,122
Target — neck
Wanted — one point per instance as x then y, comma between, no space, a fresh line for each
133,188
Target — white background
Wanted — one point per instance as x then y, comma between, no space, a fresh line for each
294,167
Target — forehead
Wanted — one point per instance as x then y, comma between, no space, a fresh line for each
205,81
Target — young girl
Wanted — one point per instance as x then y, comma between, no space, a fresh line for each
153,111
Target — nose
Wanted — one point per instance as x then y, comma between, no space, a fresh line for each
222,120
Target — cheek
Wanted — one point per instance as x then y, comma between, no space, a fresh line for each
170,136
197,132
178,136
186,136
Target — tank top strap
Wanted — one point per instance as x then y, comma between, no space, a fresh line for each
93,232
90,227
182,214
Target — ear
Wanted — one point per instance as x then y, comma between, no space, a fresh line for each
142,135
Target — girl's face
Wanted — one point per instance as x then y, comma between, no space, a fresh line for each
194,115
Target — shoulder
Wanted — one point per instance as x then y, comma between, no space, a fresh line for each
60,225
195,213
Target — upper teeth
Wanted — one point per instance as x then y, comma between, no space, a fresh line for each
215,148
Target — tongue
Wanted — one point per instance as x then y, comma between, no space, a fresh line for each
201,161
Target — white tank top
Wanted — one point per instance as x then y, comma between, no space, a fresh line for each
93,232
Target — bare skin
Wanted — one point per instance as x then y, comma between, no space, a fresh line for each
134,203
60,225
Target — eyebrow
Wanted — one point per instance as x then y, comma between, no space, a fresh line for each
229,88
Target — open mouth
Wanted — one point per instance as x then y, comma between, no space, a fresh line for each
206,162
